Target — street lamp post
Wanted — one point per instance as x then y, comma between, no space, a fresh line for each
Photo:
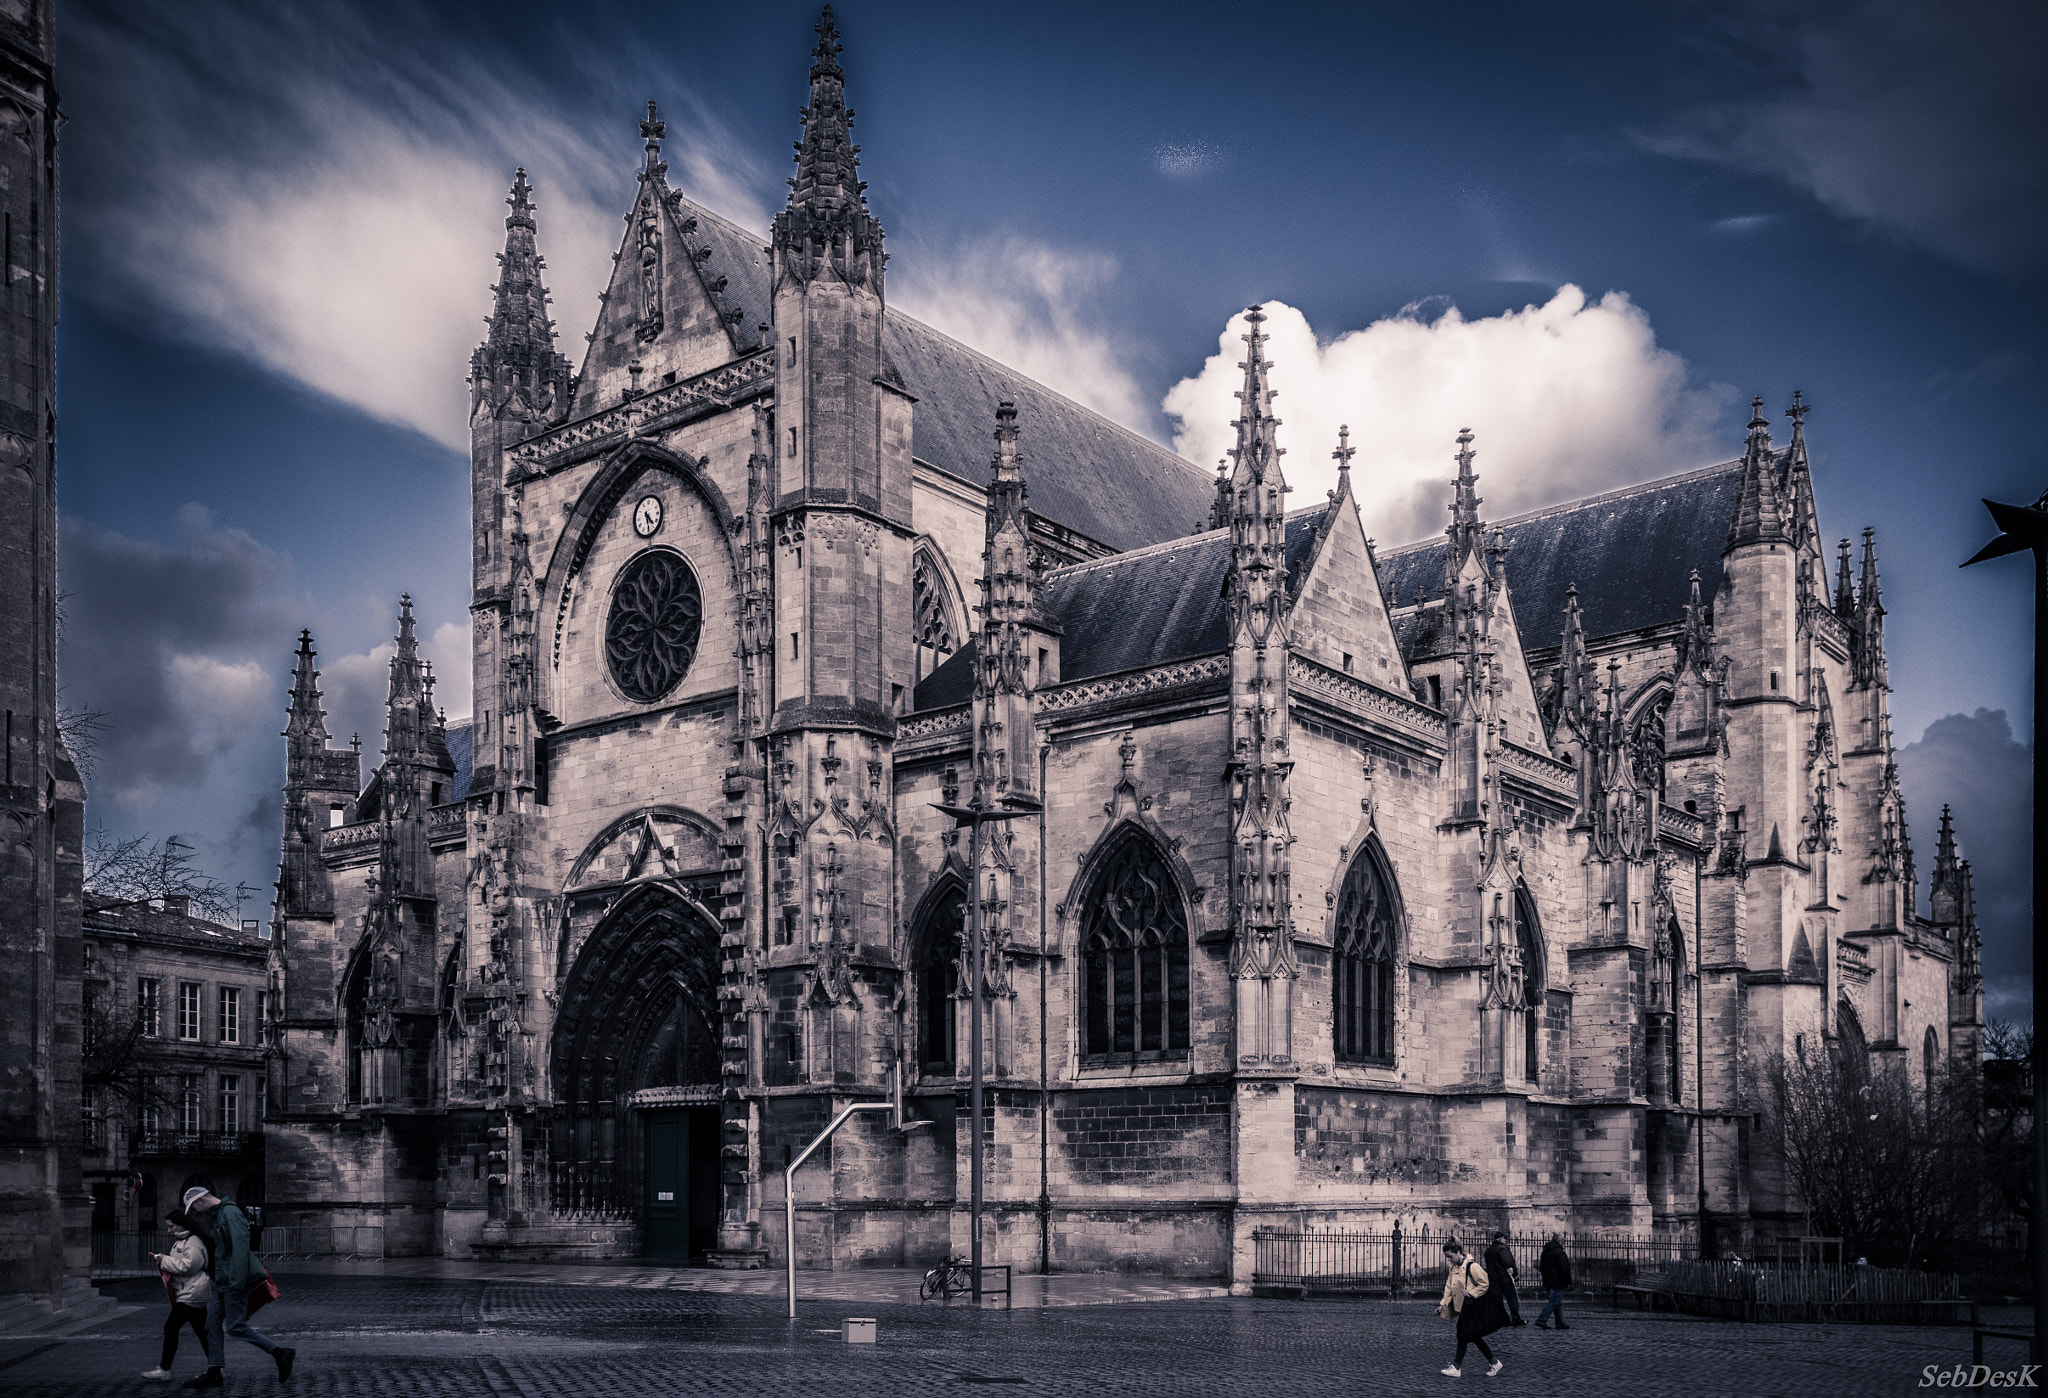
2026,527
973,817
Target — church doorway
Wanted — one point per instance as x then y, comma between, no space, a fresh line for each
679,1211
635,1060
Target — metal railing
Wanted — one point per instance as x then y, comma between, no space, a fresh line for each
590,1189
364,1240
127,1254
215,1143
1394,1263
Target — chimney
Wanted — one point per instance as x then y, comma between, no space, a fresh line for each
179,903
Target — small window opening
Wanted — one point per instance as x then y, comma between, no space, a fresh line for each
896,698
1436,691
1692,808
795,647
1044,655
669,377
336,815
792,441
1347,662
434,794
1774,681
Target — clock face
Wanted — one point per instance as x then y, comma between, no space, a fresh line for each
647,516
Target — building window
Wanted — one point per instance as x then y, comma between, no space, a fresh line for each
938,980
657,613
1532,982
1930,1068
147,1118
188,1011
149,1010
263,1016
191,1106
1134,946
1362,961
89,1136
230,1015
230,1102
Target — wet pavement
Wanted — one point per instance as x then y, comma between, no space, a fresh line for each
476,1330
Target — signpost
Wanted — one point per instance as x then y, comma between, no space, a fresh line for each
974,817
2026,527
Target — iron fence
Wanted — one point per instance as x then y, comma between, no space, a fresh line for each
362,1240
590,1189
1396,1263
127,1254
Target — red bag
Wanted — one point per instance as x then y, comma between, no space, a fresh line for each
262,1294
170,1286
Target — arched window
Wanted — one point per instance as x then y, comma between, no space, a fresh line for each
1646,742
1849,1041
938,978
931,613
1362,961
1134,951
1532,980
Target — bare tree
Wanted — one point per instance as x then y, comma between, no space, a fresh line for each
138,870
1887,1167
79,730
2006,1121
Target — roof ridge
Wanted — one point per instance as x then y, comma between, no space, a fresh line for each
989,360
1604,497
1168,546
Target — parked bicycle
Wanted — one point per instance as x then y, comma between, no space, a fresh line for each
949,1277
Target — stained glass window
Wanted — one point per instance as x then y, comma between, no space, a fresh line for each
1362,963
1134,946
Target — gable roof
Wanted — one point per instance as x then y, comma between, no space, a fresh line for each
1133,610
1084,471
1631,553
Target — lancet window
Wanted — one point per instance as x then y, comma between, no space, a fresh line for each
1532,981
1646,742
1134,953
1362,961
938,979
931,614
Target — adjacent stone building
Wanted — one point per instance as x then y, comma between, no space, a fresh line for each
1458,883
42,802
176,1016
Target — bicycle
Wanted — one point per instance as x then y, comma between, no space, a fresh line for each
946,1279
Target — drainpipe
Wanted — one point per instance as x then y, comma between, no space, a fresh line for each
1044,1060
1699,1040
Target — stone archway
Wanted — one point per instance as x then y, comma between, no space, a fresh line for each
637,1031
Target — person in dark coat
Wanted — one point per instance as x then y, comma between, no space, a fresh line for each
1556,1270
1469,1297
1500,1265
235,1269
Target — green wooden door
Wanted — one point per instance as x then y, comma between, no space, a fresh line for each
665,1212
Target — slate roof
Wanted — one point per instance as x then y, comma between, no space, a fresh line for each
1134,610
1630,551
462,752
141,920
1084,471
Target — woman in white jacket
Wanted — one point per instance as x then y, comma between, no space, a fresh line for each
184,1269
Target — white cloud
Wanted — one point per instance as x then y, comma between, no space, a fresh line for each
1029,306
354,687
1927,121
1567,397
1186,160
325,197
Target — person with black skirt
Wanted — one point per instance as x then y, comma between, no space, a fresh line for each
1477,1306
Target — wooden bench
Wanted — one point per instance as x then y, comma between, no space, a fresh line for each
1645,1287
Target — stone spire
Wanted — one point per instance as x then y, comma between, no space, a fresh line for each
827,216
307,724
1845,589
1759,513
518,356
1696,641
1465,531
1262,960
1576,685
1944,887
409,703
1866,646
1799,475
1014,625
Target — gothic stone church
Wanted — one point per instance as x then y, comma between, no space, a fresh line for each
1462,883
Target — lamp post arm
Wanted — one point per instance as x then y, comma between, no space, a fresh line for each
789,1186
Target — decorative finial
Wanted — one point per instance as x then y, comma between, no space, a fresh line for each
1344,452
653,129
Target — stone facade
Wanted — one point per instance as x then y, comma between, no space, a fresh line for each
1340,891
42,802
177,1023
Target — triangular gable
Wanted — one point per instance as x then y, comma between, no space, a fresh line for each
1338,608
666,308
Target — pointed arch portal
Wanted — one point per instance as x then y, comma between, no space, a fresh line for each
639,1016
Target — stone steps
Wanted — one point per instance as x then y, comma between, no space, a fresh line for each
82,1306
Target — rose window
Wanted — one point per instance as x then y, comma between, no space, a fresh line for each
651,637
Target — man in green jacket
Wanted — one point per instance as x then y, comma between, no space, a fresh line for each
234,1268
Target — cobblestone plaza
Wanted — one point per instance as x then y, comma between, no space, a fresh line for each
519,1331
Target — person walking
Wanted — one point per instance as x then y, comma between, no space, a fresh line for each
184,1267
1556,1269
235,1270
1465,1297
1500,1265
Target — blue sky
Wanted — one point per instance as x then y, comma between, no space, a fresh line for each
1591,232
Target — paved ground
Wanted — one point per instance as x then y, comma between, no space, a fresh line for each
519,1332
